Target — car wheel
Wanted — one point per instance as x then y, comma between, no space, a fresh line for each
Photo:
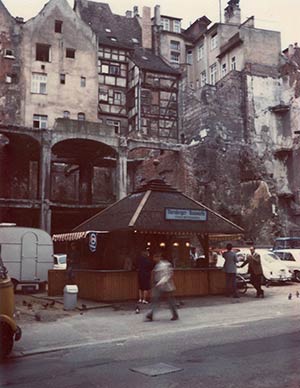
297,276
6,339
242,288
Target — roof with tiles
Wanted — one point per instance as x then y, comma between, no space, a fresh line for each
145,211
147,60
122,32
112,30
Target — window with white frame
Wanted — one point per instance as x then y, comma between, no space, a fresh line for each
175,45
115,124
233,63
8,53
189,57
214,41
177,26
200,52
213,74
117,98
39,83
165,23
103,95
203,78
66,114
40,121
175,57
224,69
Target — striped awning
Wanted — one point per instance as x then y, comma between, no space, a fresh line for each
74,236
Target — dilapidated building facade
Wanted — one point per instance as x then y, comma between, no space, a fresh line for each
97,95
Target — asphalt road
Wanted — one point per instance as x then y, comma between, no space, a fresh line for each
262,353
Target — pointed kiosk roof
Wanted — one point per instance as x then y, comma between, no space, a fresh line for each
159,208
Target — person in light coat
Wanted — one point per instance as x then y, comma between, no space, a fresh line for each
163,285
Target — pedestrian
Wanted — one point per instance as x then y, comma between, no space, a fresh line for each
230,271
163,286
255,270
144,266
73,258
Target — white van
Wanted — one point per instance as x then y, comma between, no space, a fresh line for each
27,253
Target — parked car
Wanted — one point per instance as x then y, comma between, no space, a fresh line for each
291,258
60,261
274,270
286,243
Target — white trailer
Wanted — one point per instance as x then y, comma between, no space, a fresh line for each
27,253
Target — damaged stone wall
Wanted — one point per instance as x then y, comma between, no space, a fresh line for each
234,159
10,64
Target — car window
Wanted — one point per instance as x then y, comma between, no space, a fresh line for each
55,260
286,256
272,256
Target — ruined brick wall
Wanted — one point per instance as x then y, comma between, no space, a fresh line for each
10,64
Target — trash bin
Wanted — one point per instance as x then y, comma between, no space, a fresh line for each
70,297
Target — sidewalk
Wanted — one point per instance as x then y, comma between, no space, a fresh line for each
96,323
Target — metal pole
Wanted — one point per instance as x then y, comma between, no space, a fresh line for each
220,11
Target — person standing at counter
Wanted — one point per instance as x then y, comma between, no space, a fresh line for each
144,267
230,271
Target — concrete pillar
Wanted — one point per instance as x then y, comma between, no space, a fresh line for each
122,173
85,183
44,183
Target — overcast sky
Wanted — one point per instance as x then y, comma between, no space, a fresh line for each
279,15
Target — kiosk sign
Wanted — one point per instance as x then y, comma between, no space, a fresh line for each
93,242
185,214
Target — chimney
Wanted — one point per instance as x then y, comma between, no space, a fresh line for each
156,30
128,14
135,10
146,28
232,12
157,20
291,51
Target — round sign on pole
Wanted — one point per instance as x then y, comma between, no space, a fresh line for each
93,242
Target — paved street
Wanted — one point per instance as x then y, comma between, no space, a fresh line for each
218,342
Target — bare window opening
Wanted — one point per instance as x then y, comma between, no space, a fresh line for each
40,121
43,52
58,26
66,114
83,82
81,116
62,78
70,53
